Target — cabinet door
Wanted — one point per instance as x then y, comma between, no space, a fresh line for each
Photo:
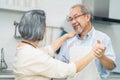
6,78
116,78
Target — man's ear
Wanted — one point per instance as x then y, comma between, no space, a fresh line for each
88,17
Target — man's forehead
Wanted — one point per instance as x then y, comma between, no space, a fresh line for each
75,11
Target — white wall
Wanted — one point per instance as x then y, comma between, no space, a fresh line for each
56,10
7,41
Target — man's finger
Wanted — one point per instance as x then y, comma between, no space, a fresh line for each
98,41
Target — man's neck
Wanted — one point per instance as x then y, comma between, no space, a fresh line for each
85,31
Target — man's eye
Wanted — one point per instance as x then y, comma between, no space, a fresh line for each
70,19
75,17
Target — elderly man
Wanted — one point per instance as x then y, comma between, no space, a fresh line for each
87,35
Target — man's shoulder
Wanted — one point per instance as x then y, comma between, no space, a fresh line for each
70,39
101,34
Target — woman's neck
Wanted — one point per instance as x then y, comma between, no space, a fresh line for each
32,43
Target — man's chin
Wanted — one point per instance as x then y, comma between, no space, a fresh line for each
79,32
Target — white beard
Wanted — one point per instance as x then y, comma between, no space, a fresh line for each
79,32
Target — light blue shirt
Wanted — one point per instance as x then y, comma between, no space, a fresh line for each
93,36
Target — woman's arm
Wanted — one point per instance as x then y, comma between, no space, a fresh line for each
98,48
82,63
62,70
60,40
47,66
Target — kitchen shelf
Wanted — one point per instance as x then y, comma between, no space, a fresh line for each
19,9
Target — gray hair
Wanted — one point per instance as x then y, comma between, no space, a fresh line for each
84,9
32,25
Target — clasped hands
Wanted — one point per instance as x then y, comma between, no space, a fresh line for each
99,49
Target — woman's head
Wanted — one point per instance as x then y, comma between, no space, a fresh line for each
32,25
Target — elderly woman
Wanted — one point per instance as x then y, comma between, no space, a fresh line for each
33,63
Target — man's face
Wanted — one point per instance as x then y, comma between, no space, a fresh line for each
78,19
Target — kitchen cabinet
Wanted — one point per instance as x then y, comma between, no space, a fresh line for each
6,78
18,5
105,10
114,76
96,8
6,75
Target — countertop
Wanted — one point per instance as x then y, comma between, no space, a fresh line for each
6,74
9,74
114,74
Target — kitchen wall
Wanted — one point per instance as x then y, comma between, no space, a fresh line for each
7,40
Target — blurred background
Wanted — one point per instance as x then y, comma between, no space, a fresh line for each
106,18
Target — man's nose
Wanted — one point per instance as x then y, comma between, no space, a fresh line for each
73,22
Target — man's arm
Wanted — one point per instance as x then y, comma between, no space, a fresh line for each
107,60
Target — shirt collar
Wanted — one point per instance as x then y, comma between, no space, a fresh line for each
88,35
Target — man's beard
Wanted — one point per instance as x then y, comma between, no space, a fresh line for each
79,32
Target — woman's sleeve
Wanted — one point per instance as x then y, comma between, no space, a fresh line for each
45,65
58,69
48,50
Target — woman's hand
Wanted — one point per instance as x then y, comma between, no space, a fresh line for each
70,34
56,45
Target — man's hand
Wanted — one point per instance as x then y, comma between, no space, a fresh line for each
99,50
